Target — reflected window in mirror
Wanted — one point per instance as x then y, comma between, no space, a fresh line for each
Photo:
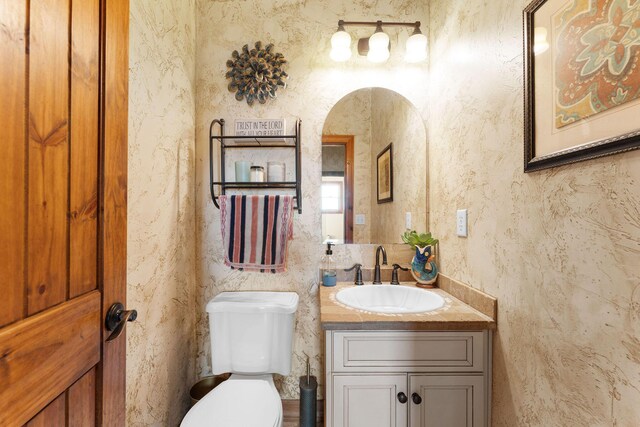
332,195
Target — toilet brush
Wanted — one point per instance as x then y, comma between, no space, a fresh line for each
308,396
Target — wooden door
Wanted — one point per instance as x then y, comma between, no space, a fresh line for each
63,164
369,401
446,401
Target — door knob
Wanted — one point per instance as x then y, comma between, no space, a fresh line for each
416,398
117,318
402,398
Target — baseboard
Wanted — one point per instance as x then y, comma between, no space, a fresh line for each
291,412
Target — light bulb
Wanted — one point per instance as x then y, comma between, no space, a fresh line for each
378,47
416,47
340,46
378,55
379,40
340,54
341,39
540,43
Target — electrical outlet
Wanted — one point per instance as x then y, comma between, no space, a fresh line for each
407,220
461,222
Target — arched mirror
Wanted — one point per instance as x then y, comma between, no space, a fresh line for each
374,169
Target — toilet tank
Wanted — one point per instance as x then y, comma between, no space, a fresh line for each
252,332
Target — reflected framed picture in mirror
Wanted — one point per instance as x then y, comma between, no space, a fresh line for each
385,175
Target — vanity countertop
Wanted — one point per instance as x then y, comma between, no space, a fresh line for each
455,315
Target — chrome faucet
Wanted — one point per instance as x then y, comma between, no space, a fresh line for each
376,272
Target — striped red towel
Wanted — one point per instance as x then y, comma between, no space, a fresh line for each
256,231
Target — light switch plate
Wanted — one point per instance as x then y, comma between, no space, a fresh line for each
461,223
360,219
407,220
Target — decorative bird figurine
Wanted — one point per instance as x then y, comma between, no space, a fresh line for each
423,266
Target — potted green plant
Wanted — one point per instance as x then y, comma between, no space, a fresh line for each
414,239
423,264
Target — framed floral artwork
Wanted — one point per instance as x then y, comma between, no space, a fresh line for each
582,80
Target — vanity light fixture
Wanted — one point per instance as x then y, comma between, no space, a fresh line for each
378,45
376,48
416,46
340,45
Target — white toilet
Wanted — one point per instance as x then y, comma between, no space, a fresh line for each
251,337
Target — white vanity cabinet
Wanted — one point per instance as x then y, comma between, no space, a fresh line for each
407,378
447,400
368,400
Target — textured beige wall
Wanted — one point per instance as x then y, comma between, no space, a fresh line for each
300,30
394,120
161,214
560,248
352,116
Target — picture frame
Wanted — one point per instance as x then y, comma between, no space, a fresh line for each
384,175
579,105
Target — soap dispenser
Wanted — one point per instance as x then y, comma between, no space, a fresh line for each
328,267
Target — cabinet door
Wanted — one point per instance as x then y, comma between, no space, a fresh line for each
446,401
369,401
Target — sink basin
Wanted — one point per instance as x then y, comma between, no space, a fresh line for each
390,299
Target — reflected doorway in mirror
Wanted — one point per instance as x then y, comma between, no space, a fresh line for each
337,182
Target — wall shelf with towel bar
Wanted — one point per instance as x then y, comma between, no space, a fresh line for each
216,133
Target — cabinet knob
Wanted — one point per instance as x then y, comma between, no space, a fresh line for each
402,398
416,398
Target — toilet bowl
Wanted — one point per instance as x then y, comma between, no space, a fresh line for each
242,401
251,338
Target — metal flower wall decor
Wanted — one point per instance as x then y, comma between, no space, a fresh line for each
256,73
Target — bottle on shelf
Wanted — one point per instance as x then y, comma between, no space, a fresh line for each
276,171
257,174
328,267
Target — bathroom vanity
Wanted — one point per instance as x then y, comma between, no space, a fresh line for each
399,370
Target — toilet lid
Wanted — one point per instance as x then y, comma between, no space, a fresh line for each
241,403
